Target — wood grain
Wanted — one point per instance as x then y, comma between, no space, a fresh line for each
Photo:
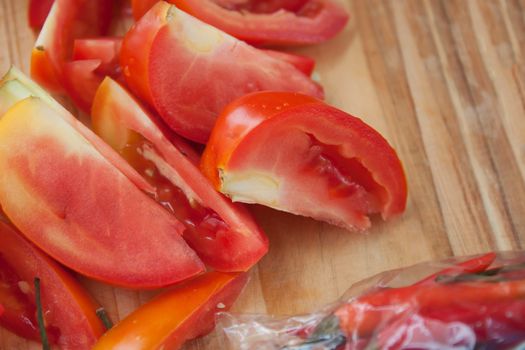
444,81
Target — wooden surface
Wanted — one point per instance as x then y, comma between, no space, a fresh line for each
444,82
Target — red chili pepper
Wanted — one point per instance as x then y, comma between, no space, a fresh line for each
474,265
364,314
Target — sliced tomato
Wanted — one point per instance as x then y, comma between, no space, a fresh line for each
140,7
324,163
67,21
15,86
69,311
64,193
223,234
93,59
105,49
175,316
81,82
303,63
277,22
189,71
38,11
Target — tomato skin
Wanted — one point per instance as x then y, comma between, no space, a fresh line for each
67,306
38,11
175,316
303,63
64,197
140,7
373,178
236,243
189,71
67,20
134,57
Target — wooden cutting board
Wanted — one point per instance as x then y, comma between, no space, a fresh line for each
444,82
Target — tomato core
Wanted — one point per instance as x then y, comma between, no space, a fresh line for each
346,176
197,218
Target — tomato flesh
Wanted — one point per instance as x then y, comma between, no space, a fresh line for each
194,216
262,6
104,49
19,316
345,176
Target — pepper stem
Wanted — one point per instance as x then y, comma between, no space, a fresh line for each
103,315
40,316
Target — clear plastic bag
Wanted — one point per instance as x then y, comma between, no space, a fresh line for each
462,303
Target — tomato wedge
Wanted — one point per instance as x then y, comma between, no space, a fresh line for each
223,234
15,86
65,193
105,49
324,163
93,59
175,316
67,20
69,312
189,71
38,11
81,81
278,22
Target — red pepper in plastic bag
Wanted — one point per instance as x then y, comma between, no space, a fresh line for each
468,305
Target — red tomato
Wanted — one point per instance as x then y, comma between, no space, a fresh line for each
140,7
175,316
105,49
189,71
223,234
38,11
60,187
81,81
93,59
67,21
69,312
303,63
323,163
277,22
15,86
